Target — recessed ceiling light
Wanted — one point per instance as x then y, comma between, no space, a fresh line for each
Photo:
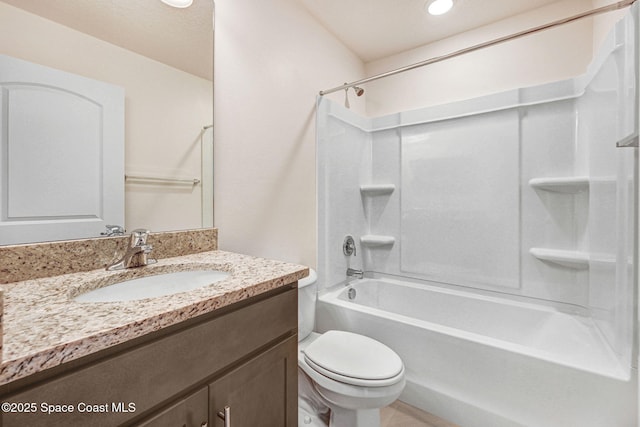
178,3
438,7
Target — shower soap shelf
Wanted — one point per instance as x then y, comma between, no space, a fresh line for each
373,240
377,189
571,259
571,184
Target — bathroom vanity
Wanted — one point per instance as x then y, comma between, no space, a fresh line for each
189,359
244,358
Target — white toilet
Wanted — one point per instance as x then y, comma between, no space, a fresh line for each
344,378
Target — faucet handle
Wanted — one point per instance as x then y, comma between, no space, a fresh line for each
349,246
139,237
141,231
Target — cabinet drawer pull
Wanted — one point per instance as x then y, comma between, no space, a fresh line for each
226,416
204,424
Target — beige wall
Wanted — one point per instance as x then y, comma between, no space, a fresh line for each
165,111
551,55
271,59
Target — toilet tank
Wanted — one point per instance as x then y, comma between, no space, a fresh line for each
307,290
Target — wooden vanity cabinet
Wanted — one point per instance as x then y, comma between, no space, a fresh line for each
190,411
243,357
254,392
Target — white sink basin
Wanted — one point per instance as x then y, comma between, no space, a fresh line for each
153,286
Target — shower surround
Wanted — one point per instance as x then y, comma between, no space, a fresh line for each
520,197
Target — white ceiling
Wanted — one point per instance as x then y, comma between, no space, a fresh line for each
181,38
375,29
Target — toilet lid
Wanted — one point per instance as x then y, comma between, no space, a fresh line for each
343,355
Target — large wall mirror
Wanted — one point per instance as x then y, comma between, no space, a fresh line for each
162,57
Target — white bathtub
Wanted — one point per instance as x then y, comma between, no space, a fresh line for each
483,361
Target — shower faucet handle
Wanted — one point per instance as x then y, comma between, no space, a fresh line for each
349,246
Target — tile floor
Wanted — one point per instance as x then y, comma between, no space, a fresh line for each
399,414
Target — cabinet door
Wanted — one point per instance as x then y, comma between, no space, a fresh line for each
189,412
261,392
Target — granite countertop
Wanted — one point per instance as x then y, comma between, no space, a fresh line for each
44,327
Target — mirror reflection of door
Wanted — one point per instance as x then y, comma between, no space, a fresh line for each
61,154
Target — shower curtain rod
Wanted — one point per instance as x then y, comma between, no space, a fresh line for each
614,6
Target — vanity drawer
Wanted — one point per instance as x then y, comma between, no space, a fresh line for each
136,382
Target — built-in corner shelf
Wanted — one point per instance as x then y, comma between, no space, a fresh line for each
570,184
377,240
373,240
377,189
571,259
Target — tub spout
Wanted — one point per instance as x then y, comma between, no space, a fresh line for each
355,273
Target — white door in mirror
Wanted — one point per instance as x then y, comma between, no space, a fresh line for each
61,154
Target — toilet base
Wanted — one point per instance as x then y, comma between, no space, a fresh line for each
309,419
314,412
360,418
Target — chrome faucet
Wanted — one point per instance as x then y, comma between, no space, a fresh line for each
113,230
355,273
136,253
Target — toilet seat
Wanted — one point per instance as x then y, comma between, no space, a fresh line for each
354,359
